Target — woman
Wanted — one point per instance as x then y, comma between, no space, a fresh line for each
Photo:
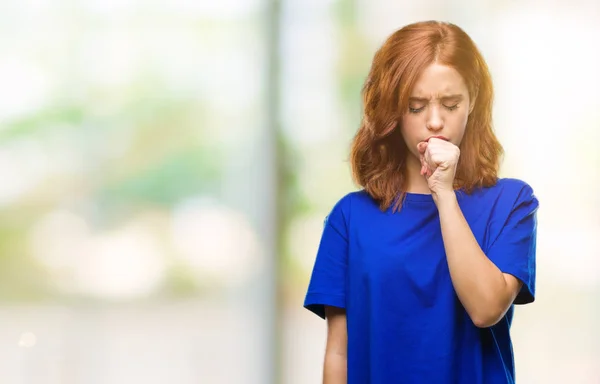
417,273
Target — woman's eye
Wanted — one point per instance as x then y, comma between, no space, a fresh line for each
420,109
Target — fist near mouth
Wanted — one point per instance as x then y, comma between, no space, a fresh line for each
427,169
438,158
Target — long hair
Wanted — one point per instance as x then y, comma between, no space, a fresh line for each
378,153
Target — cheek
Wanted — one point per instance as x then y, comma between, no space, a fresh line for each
410,126
465,118
459,125
459,122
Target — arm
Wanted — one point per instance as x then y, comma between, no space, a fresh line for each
484,291
335,365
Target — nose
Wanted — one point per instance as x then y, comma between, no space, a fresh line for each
434,119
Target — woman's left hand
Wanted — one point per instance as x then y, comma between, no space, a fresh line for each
438,164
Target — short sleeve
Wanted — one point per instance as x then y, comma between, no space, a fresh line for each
514,249
328,279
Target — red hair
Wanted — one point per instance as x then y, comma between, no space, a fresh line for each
378,154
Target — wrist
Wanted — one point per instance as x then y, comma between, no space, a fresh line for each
444,198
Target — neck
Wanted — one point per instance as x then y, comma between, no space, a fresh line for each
415,182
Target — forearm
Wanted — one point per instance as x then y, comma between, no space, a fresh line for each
335,369
479,284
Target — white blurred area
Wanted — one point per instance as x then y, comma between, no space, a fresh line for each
158,279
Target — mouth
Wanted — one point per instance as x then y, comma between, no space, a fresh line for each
437,137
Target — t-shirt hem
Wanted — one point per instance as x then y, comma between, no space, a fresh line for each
316,302
525,295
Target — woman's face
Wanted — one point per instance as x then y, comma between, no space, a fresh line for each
438,106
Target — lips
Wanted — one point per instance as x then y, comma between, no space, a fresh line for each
437,137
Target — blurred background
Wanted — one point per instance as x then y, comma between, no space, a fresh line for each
166,167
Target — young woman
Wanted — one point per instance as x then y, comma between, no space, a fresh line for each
418,272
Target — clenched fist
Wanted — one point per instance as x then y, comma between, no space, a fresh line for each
439,159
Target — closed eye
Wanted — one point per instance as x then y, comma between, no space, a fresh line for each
417,110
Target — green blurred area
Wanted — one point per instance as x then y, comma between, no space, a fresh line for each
112,152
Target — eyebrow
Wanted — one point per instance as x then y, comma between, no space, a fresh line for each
456,97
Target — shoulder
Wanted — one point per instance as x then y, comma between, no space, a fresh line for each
510,198
356,202
513,185
506,191
515,192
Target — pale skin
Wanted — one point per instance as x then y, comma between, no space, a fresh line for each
433,129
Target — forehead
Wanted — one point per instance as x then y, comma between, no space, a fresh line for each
438,80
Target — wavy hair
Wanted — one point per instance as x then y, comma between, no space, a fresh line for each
378,153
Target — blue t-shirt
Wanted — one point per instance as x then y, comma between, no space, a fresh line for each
388,270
